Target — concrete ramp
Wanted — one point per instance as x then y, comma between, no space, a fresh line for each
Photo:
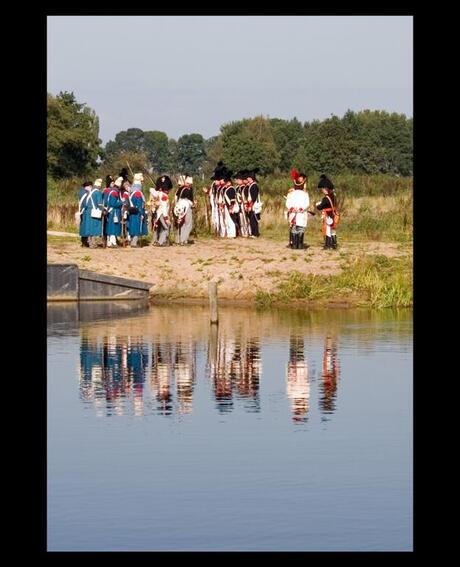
66,282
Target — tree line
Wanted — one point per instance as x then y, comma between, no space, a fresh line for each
365,143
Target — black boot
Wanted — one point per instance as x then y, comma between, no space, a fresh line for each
291,242
326,243
296,242
301,246
334,241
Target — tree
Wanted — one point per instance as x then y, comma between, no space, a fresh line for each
249,143
288,135
157,149
190,153
73,144
130,140
112,165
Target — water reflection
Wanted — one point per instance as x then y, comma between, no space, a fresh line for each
234,368
330,375
297,382
116,369
129,367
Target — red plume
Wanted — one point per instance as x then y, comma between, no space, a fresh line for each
294,174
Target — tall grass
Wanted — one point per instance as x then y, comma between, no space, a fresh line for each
379,282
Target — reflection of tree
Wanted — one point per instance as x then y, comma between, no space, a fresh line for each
330,375
297,382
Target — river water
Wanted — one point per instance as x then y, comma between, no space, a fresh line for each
280,430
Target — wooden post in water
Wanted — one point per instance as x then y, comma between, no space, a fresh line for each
212,286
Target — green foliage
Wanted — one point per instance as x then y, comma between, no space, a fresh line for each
113,164
153,144
190,153
368,142
250,143
73,144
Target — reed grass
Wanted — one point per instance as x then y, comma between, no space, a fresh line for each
380,281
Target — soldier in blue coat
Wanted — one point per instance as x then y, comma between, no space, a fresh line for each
113,220
137,218
90,208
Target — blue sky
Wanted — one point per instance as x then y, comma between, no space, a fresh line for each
184,74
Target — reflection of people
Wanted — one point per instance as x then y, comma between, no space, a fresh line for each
184,373
108,367
330,375
160,378
234,368
297,382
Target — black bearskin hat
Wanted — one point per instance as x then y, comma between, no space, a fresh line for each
226,174
218,171
108,180
164,182
252,173
123,173
325,183
87,183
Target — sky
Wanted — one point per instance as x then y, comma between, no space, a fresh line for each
186,74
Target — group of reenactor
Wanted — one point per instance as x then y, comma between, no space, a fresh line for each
119,213
235,206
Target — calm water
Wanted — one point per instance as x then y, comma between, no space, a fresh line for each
280,431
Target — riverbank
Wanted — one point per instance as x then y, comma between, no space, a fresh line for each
262,271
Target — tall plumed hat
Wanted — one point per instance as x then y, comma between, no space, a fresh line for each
164,182
108,180
295,177
218,171
325,183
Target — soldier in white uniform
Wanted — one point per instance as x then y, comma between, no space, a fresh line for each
297,203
